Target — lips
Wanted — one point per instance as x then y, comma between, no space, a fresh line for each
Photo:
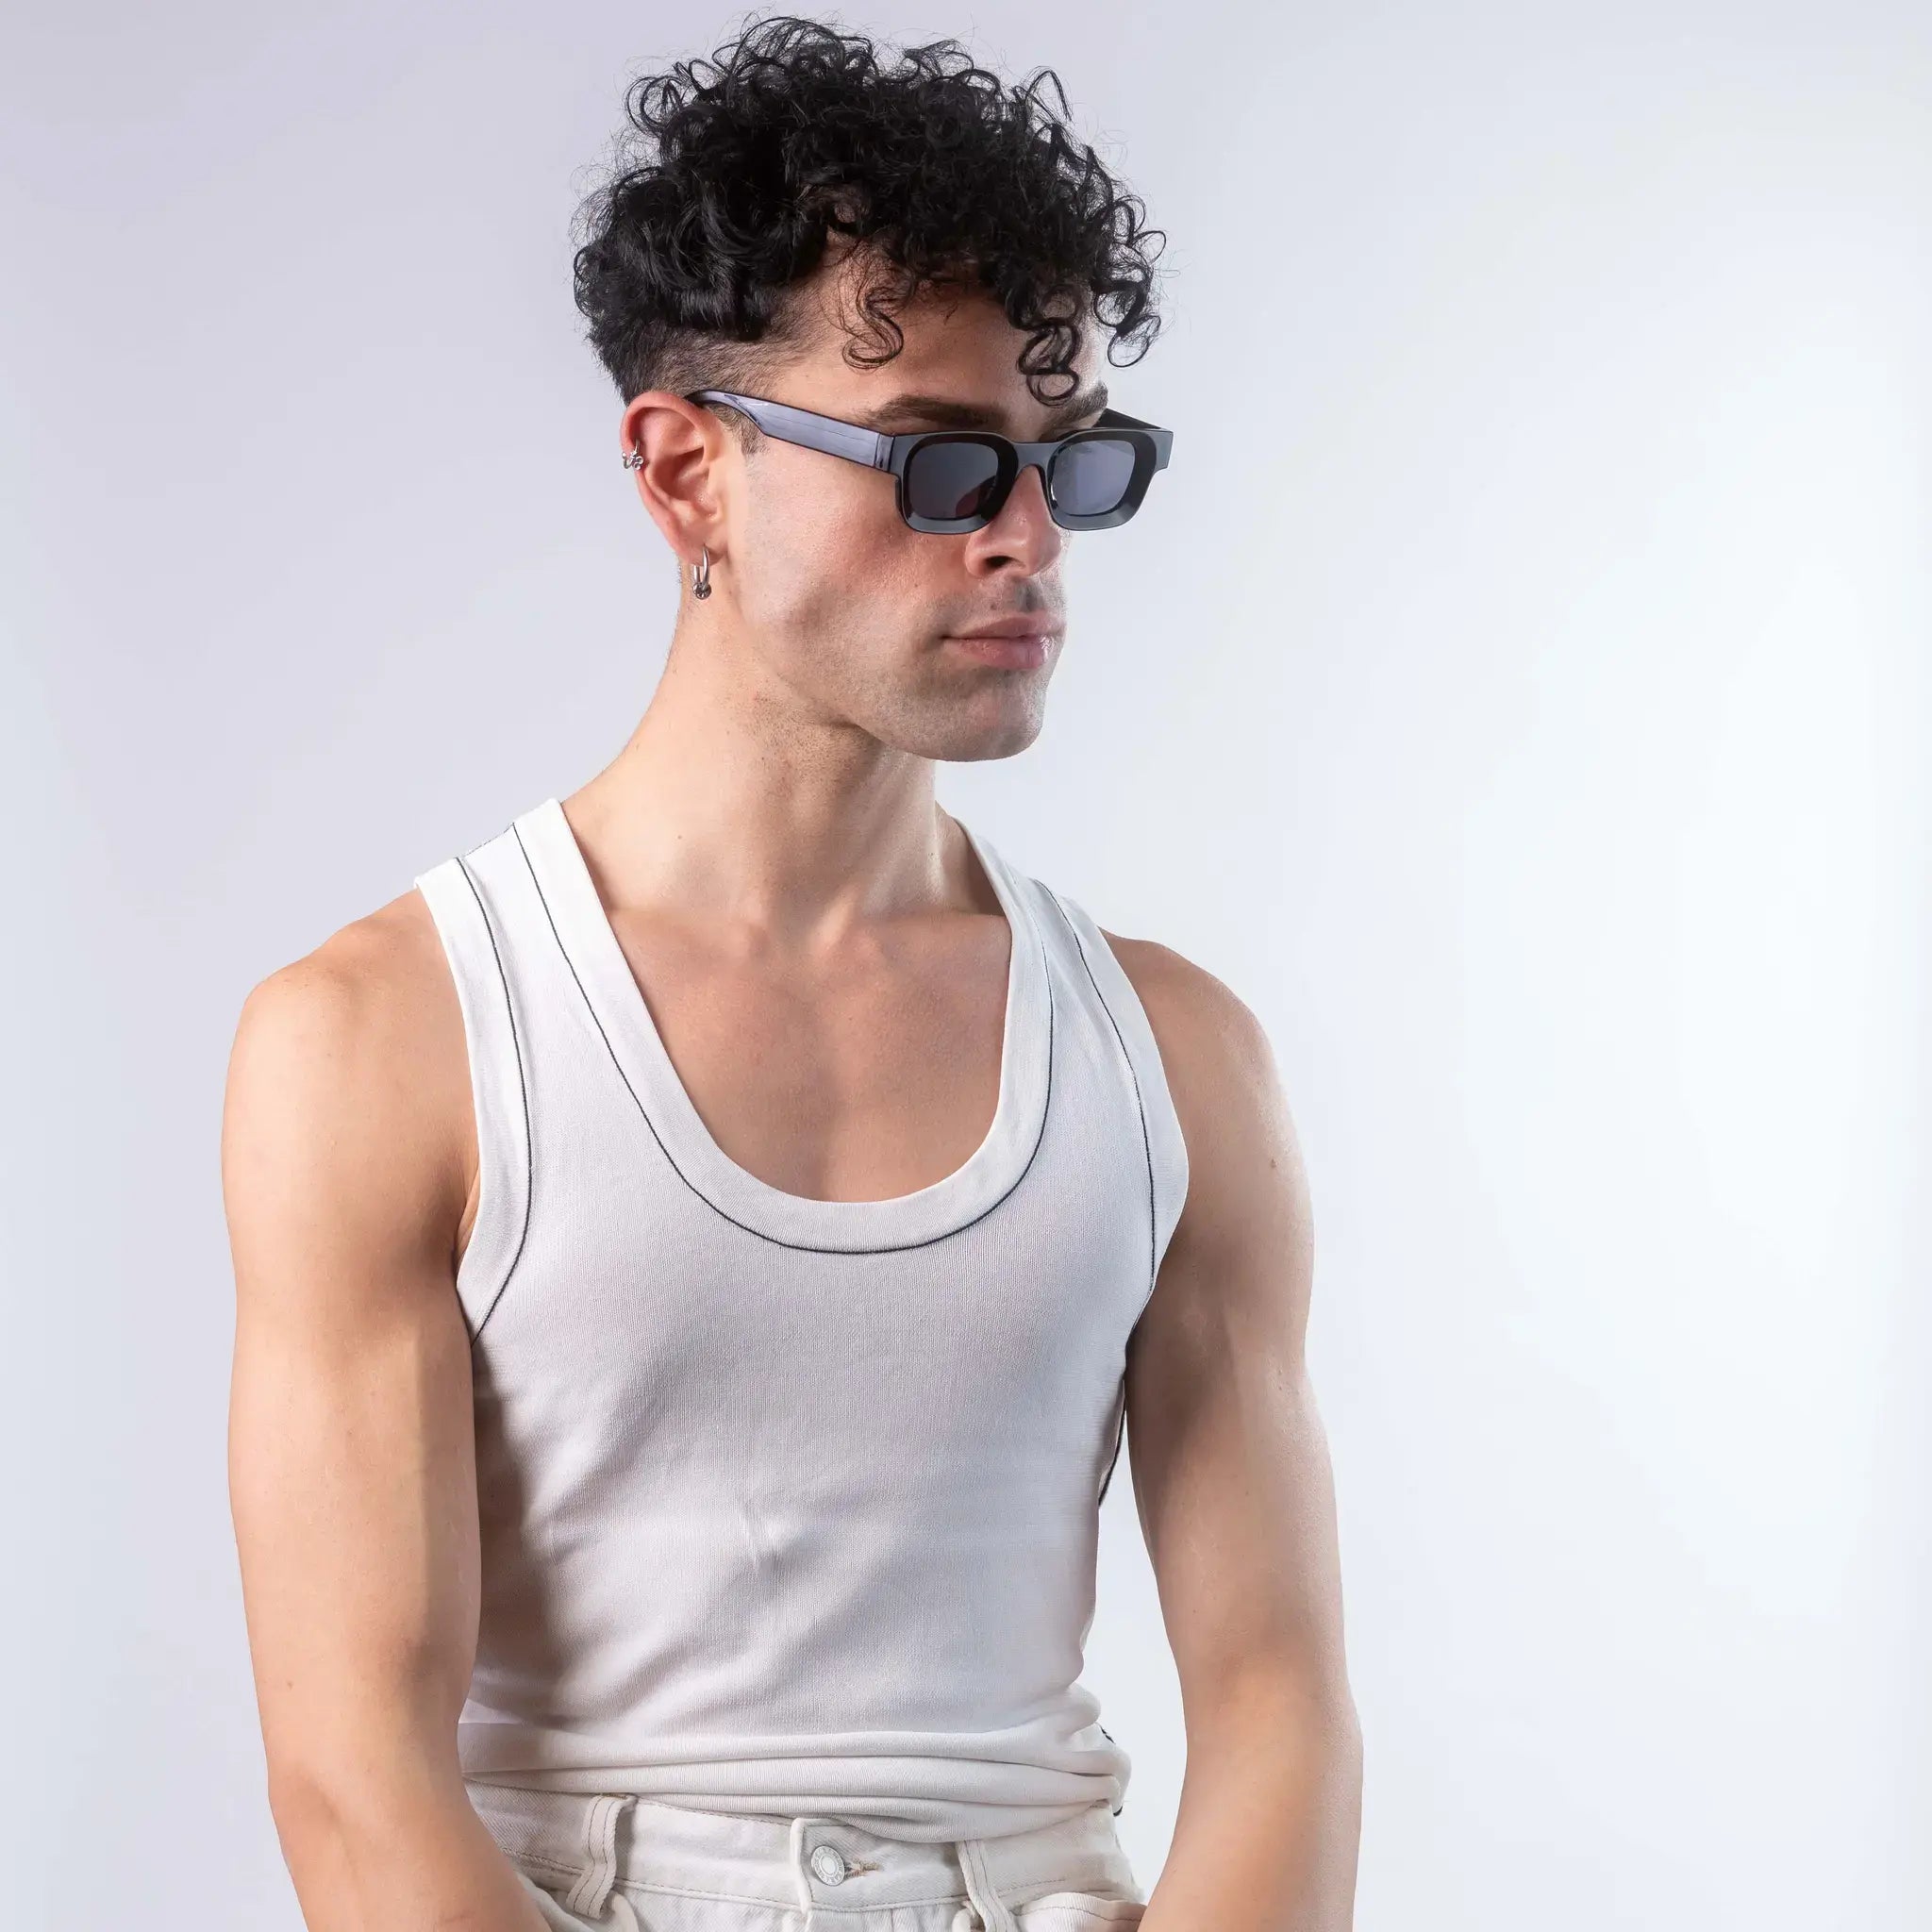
1014,624
1010,647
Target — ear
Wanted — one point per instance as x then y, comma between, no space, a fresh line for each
679,454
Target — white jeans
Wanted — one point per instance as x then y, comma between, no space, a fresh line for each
619,1863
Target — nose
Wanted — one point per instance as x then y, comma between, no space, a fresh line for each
1023,532
1025,525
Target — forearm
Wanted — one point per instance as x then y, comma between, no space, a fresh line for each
1270,1819
389,1855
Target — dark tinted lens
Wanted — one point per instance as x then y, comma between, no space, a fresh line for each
1090,477
951,479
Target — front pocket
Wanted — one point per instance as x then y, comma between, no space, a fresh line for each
1077,1912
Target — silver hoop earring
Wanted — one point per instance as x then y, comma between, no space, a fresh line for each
701,575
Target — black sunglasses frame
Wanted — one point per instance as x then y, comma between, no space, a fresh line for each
877,451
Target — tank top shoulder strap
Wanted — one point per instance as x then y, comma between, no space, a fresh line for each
466,895
1091,968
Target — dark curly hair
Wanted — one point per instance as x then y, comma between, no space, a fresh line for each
732,176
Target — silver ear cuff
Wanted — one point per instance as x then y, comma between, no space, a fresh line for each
635,459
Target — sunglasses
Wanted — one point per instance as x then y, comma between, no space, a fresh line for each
952,480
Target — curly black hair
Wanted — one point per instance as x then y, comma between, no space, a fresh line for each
732,175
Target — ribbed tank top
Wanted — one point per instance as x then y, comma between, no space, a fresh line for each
790,1505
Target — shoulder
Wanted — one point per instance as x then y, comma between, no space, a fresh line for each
1244,1162
347,1081
1214,1051
1211,1040
374,986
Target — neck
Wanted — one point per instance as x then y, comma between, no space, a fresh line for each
740,799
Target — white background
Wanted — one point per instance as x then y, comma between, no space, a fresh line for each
1515,689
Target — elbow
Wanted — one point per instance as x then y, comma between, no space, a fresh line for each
319,1801
314,1806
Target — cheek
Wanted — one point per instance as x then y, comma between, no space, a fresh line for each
811,504
829,560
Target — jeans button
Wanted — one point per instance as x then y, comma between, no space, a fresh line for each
829,1863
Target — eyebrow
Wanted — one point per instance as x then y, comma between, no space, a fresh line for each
949,412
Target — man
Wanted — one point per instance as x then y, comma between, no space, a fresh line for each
697,1250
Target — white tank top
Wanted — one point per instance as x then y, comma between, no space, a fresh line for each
790,1505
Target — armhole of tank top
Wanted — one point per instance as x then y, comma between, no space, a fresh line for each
457,902
1166,1148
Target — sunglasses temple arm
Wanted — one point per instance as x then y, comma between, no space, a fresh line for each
825,433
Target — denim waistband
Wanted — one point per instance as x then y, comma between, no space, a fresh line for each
583,1845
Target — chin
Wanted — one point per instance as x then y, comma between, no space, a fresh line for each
962,738
997,742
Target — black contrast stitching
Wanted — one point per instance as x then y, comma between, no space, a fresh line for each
778,1241
1147,1149
523,1088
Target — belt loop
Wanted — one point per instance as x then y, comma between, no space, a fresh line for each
593,1888
994,1913
801,1874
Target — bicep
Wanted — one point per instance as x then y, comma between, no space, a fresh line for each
350,1446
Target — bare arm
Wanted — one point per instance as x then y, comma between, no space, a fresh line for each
346,1156
1236,1498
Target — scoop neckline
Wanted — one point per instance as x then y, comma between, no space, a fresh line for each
617,1003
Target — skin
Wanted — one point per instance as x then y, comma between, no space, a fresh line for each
813,930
